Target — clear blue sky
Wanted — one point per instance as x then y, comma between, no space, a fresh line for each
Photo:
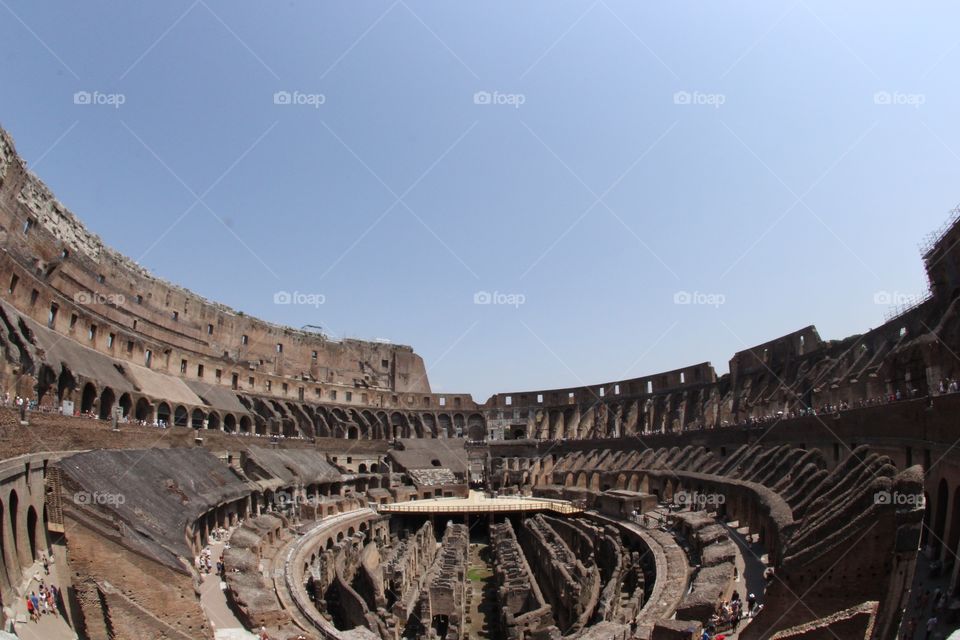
783,183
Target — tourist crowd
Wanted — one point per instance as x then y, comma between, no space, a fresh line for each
46,599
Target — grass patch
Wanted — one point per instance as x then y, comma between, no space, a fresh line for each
478,574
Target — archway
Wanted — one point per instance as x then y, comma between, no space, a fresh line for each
180,416
107,398
954,531
245,424
940,520
476,427
126,402
163,414
229,423
196,419
4,558
353,433
32,531
142,411
213,420
88,397
13,505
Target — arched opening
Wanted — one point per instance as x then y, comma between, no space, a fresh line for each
397,426
954,531
65,383
229,423
32,531
196,419
3,547
88,397
126,402
476,427
245,424
446,425
142,410
362,468
353,433
107,398
13,504
213,420
180,416
940,521
163,413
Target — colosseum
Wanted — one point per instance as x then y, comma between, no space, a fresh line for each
175,469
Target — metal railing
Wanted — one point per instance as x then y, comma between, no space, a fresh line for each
484,507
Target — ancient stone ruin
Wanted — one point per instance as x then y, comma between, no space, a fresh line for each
152,439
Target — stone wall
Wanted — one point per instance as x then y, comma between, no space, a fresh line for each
442,600
571,586
524,610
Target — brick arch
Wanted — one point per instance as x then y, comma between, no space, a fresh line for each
88,397
143,410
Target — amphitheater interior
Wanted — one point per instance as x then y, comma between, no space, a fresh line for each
145,427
